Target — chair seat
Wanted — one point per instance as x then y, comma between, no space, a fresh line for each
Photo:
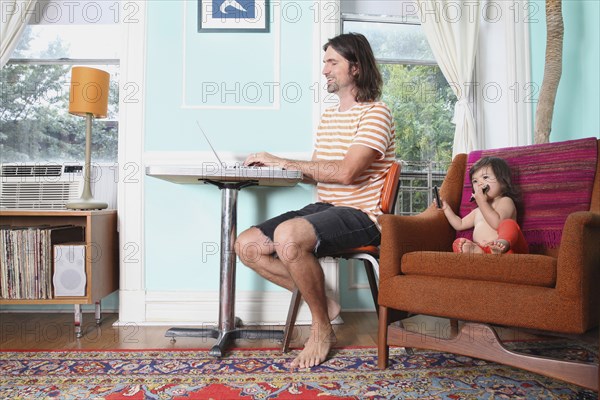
521,269
372,250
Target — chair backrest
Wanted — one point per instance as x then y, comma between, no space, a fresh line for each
389,192
595,203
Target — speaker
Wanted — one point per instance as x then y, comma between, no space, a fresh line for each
69,270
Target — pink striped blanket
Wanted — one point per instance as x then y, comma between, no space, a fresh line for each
555,180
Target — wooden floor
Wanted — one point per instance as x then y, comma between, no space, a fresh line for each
27,331
43,331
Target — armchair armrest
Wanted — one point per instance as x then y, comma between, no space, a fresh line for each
400,234
578,266
429,230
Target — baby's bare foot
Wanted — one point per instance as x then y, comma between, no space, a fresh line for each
316,347
499,246
470,247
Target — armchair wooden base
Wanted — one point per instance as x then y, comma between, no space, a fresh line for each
481,341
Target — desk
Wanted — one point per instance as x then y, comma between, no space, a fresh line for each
230,181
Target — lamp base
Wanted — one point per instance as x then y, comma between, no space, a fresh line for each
82,204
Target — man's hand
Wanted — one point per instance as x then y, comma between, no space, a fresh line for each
264,159
345,171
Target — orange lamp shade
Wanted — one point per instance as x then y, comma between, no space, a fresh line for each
89,92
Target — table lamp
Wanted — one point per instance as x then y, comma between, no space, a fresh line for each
89,99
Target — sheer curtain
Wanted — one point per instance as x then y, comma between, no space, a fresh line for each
14,16
452,29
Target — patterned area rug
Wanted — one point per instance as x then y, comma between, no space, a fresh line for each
262,374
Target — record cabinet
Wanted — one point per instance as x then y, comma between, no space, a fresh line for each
100,243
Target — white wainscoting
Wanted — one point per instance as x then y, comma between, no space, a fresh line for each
202,308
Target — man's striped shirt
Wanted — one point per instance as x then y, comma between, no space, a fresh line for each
365,124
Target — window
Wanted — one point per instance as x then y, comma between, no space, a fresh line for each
35,125
421,100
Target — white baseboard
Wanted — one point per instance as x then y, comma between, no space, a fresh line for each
202,308
252,307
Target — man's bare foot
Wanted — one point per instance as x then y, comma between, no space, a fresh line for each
321,340
499,246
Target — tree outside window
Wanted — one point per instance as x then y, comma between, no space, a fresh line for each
35,126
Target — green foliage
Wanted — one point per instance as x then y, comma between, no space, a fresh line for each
35,125
422,103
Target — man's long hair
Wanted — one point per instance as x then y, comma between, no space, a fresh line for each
355,48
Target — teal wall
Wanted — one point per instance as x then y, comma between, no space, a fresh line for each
182,222
576,112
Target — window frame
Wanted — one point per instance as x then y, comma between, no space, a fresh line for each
66,61
385,20
399,20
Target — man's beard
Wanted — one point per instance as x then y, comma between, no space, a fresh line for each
333,87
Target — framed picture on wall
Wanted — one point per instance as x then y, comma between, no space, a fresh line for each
233,15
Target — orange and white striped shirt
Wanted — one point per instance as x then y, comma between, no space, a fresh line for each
365,124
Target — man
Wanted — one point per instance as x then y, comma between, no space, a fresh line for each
353,151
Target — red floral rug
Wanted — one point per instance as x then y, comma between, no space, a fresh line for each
263,374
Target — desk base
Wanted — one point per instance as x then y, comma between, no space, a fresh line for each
224,337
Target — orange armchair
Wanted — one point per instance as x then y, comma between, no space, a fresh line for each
550,289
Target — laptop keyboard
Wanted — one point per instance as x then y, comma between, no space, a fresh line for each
253,167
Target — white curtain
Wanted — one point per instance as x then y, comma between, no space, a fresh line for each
452,29
14,16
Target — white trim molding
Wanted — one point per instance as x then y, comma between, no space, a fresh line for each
276,32
323,31
202,308
200,157
131,182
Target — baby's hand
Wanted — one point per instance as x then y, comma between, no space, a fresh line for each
480,194
442,206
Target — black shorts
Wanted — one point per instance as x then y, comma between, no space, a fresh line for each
337,228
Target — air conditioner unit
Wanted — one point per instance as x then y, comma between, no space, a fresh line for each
52,185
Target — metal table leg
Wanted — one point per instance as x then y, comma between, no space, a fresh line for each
98,312
227,329
78,320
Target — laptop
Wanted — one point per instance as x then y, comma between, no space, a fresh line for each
250,170
221,163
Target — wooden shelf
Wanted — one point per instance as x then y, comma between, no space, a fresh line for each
101,246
